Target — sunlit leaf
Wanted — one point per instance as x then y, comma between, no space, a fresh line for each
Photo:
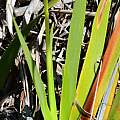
72,58
49,37
93,55
109,61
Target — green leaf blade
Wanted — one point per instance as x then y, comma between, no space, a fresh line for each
94,53
72,59
7,59
35,75
51,93
109,61
115,110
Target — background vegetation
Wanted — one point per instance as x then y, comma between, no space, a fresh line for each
59,59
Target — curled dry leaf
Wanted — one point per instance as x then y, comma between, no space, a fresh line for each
9,14
34,7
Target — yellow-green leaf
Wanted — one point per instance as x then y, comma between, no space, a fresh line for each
72,58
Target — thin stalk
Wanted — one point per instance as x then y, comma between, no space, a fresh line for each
52,100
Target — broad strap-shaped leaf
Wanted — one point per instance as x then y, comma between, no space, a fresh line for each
93,54
35,75
72,58
110,58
